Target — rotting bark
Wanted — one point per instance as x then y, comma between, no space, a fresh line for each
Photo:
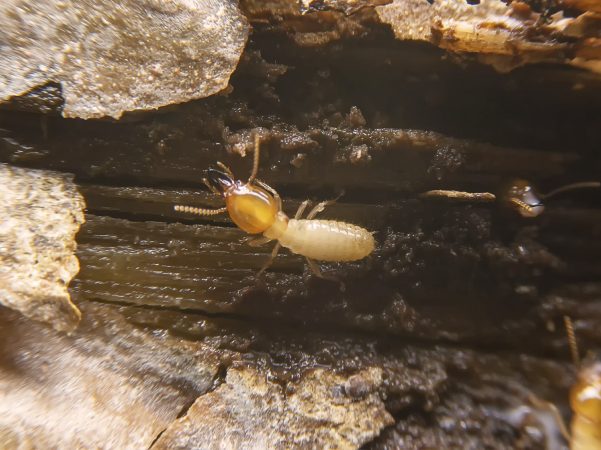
212,269
461,305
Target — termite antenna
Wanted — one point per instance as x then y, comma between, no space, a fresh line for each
572,187
524,208
199,211
256,153
226,169
567,320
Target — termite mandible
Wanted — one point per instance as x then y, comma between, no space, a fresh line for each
256,208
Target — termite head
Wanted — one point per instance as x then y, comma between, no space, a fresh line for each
521,196
585,396
252,208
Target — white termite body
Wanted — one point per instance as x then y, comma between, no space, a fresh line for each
326,240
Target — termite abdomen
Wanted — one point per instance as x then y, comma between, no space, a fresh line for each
327,240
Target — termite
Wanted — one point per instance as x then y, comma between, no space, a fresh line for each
518,195
585,400
256,208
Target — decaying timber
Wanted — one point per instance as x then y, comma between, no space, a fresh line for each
449,336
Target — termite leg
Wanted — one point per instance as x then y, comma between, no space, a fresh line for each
321,206
256,154
318,208
274,253
277,246
301,209
199,211
315,268
257,241
318,273
550,406
226,169
272,191
542,404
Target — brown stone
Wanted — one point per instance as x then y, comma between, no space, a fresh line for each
247,412
41,212
116,56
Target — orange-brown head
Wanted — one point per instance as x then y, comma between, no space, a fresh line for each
250,207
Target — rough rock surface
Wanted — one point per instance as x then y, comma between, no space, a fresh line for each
116,56
323,410
41,212
420,19
109,385
126,375
503,35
